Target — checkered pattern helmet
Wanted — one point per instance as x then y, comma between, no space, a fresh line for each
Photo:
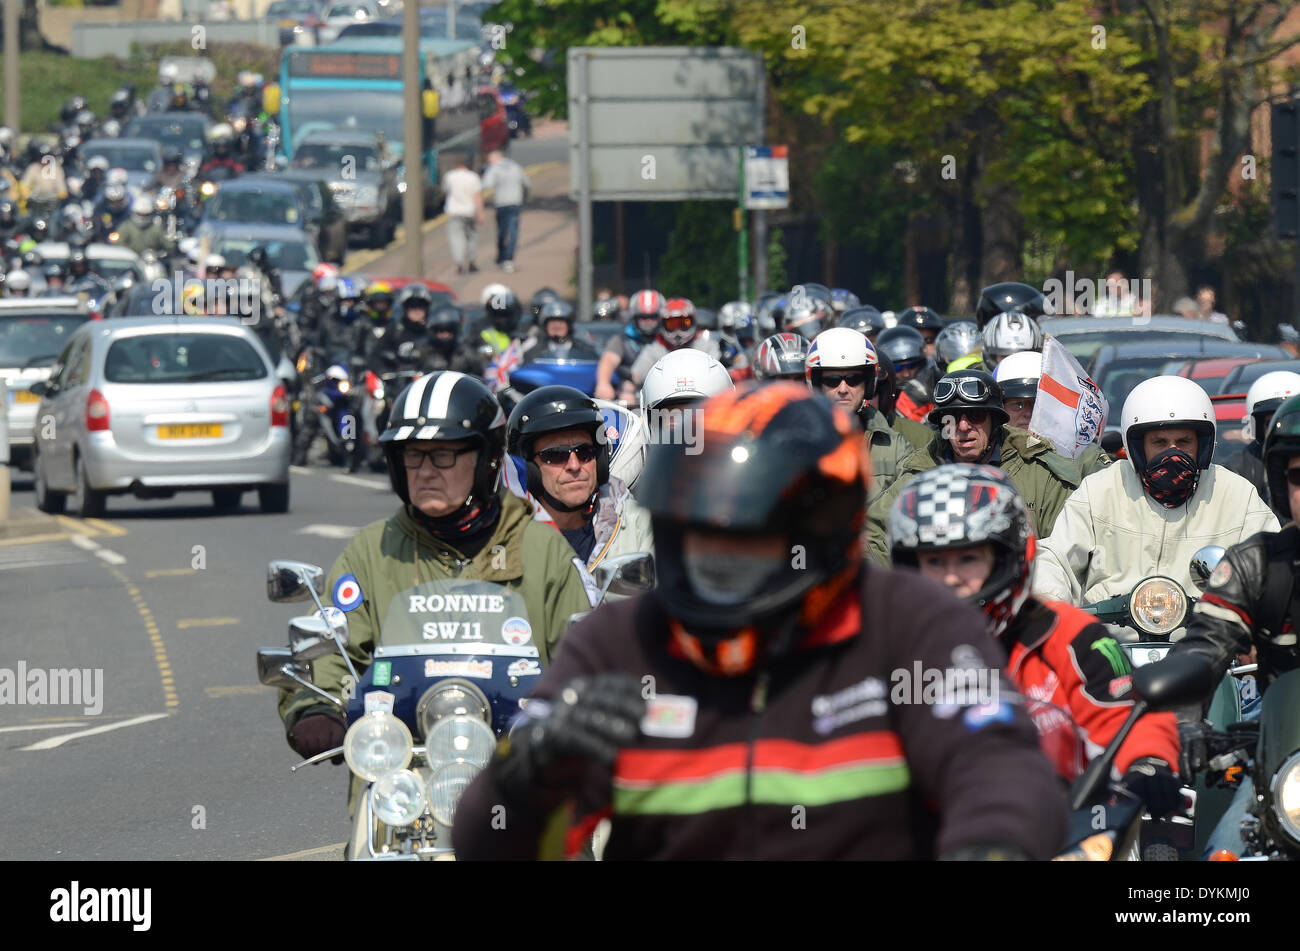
963,505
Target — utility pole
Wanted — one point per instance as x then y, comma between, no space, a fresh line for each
13,97
584,184
413,134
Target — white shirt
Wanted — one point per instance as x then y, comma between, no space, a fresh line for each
460,186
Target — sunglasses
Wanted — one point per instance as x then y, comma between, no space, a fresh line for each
679,322
441,458
975,417
969,388
832,381
559,455
908,365
1293,476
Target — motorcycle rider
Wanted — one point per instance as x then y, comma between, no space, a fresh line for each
43,180
645,310
144,232
559,434
1018,375
18,284
841,365
1009,297
677,329
926,321
92,186
444,445
554,336
866,320
1262,399
113,212
1148,513
914,374
1006,334
401,343
843,300
957,346
56,277
500,321
781,357
11,223
972,424
160,99
966,527
222,138
447,352
172,173
718,761
1248,606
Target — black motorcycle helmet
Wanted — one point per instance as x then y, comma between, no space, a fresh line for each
502,312
901,345
416,296
32,260
542,297
550,409
447,406
776,459
1281,443
607,309
120,104
78,264
444,325
967,389
923,319
865,320
1009,296
68,111
8,212
556,310
55,269
173,157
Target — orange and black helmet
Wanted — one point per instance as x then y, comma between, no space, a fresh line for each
770,460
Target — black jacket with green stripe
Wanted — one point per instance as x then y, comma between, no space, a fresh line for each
847,749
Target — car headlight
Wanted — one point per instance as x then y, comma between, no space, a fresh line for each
208,189
1158,605
450,698
1286,796
376,744
398,798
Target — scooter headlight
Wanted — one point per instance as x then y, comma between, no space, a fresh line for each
1158,605
398,798
458,749
1286,796
376,744
449,698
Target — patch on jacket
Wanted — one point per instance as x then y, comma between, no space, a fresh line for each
1120,686
858,702
670,716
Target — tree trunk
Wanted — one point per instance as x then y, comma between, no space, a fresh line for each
966,241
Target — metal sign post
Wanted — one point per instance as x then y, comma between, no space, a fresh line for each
742,236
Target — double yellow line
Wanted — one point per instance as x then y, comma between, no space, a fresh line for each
91,527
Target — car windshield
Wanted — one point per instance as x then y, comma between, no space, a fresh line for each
1084,346
284,7
1239,379
113,268
433,23
24,336
348,10
182,358
335,157
253,207
131,158
361,110
176,133
285,255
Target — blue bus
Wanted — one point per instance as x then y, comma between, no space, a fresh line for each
356,85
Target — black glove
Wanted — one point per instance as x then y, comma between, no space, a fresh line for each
316,733
1191,737
587,722
1152,781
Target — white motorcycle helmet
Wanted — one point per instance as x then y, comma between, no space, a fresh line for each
841,348
1165,401
142,208
1009,333
19,281
683,376
1265,395
1019,373
491,291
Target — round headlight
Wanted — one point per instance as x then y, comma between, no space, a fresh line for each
459,739
446,786
1286,796
1158,605
378,743
398,798
449,698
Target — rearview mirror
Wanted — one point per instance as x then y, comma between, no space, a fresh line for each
309,638
626,574
40,388
276,665
293,581
1204,561
1177,681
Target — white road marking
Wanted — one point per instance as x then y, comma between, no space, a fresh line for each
358,480
112,557
329,531
37,726
56,741
42,562
81,541
307,853
47,554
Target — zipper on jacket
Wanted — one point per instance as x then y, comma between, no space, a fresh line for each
757,704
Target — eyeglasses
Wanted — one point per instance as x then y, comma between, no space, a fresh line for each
441,458
968,387
679,322
833,381
1293,476
559,455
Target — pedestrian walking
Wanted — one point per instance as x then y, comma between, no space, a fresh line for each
512,186
464,191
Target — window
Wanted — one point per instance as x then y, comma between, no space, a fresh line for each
182,358
33,339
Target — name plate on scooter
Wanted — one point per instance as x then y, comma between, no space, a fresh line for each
458,616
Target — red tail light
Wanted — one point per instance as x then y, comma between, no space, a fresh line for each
280,407
374,386
96,412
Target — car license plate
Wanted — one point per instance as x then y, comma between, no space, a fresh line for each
190,431
25,396
288,24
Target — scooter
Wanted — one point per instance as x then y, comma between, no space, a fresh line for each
332,399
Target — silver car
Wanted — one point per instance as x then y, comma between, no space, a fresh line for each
33,331
153,406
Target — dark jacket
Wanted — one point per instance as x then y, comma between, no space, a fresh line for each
1250,599
817,757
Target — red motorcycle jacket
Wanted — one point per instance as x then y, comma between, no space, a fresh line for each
906,406
1076,677
834,751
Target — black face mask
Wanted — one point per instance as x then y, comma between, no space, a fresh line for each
1171,478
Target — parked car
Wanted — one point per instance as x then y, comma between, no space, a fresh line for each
342,13
140,158
155,406
1209,373
289,249
1229,413
1084,336
299,21
326,220
1239,379
361,171
33,331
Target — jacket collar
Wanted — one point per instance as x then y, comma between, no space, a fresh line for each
501,558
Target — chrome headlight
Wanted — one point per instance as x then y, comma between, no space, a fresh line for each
446,786
449,698
398,798
458,749
376,744
1158,605
1286,796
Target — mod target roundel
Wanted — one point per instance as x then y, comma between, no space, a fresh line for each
347,593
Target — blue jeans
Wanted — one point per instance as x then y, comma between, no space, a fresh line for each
507,232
